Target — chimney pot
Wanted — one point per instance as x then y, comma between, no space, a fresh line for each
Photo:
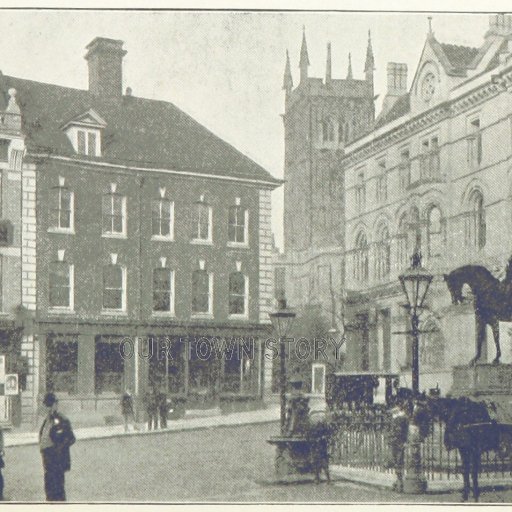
105,58
129,91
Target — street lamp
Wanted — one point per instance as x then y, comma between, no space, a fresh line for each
282,320
415,283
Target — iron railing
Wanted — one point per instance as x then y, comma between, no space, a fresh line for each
360,440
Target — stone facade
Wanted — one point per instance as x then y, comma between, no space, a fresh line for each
432,171
433,174
320,118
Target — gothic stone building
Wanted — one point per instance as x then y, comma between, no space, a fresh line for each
320,117
433,170
131,222
435,173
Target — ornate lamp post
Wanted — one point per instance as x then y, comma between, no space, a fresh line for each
415,283
282,320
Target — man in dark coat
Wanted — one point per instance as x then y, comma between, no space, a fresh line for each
127,410
397,433
150,400
55,438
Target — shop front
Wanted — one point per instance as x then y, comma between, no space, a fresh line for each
90,370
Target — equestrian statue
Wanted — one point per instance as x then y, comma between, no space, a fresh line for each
492,303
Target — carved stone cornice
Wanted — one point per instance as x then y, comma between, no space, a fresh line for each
445,110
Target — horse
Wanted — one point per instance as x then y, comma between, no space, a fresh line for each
493,302
469,429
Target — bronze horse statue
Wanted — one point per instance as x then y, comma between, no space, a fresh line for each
493,301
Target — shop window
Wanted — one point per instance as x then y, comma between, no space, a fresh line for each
109,366
61,365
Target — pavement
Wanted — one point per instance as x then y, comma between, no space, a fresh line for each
268,415
440,483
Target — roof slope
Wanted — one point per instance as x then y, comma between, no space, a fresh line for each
460,57
140,132
401,107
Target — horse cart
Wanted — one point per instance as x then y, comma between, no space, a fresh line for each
356,390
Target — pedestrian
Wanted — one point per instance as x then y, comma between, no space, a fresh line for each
151,408
397,437
55,438
163,408
2,463
127,410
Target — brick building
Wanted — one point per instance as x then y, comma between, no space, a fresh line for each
141,231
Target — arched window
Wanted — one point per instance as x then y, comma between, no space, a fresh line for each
328,130
361,258
434,232
341,130
403,245
414,230
476,229
382,262
432,346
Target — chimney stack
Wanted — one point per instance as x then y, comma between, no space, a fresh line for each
500,25
397,79
397,84
105,59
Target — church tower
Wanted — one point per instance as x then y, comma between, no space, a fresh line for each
320,117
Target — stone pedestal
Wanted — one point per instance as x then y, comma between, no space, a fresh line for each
491,382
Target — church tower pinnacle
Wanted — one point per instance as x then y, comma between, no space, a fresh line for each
328,66
287,79
304,59
369,66
349,72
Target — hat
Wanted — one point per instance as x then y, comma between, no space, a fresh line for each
49,399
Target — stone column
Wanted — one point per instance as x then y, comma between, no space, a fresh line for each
28,287
266,279
86,364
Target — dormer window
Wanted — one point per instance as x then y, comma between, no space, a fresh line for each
87,143
84,132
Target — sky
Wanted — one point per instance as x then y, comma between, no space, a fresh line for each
224,68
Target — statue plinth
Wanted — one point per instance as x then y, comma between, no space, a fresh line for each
491,382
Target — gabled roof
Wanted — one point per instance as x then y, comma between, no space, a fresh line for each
138,132
455,59
89,118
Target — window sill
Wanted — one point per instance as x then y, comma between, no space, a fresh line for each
202,316
61,231
198,241
114,235
163,314
114,312
238,245
61,311
161,238
241,318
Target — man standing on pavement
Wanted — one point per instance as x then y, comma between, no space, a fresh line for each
163,407
55,438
